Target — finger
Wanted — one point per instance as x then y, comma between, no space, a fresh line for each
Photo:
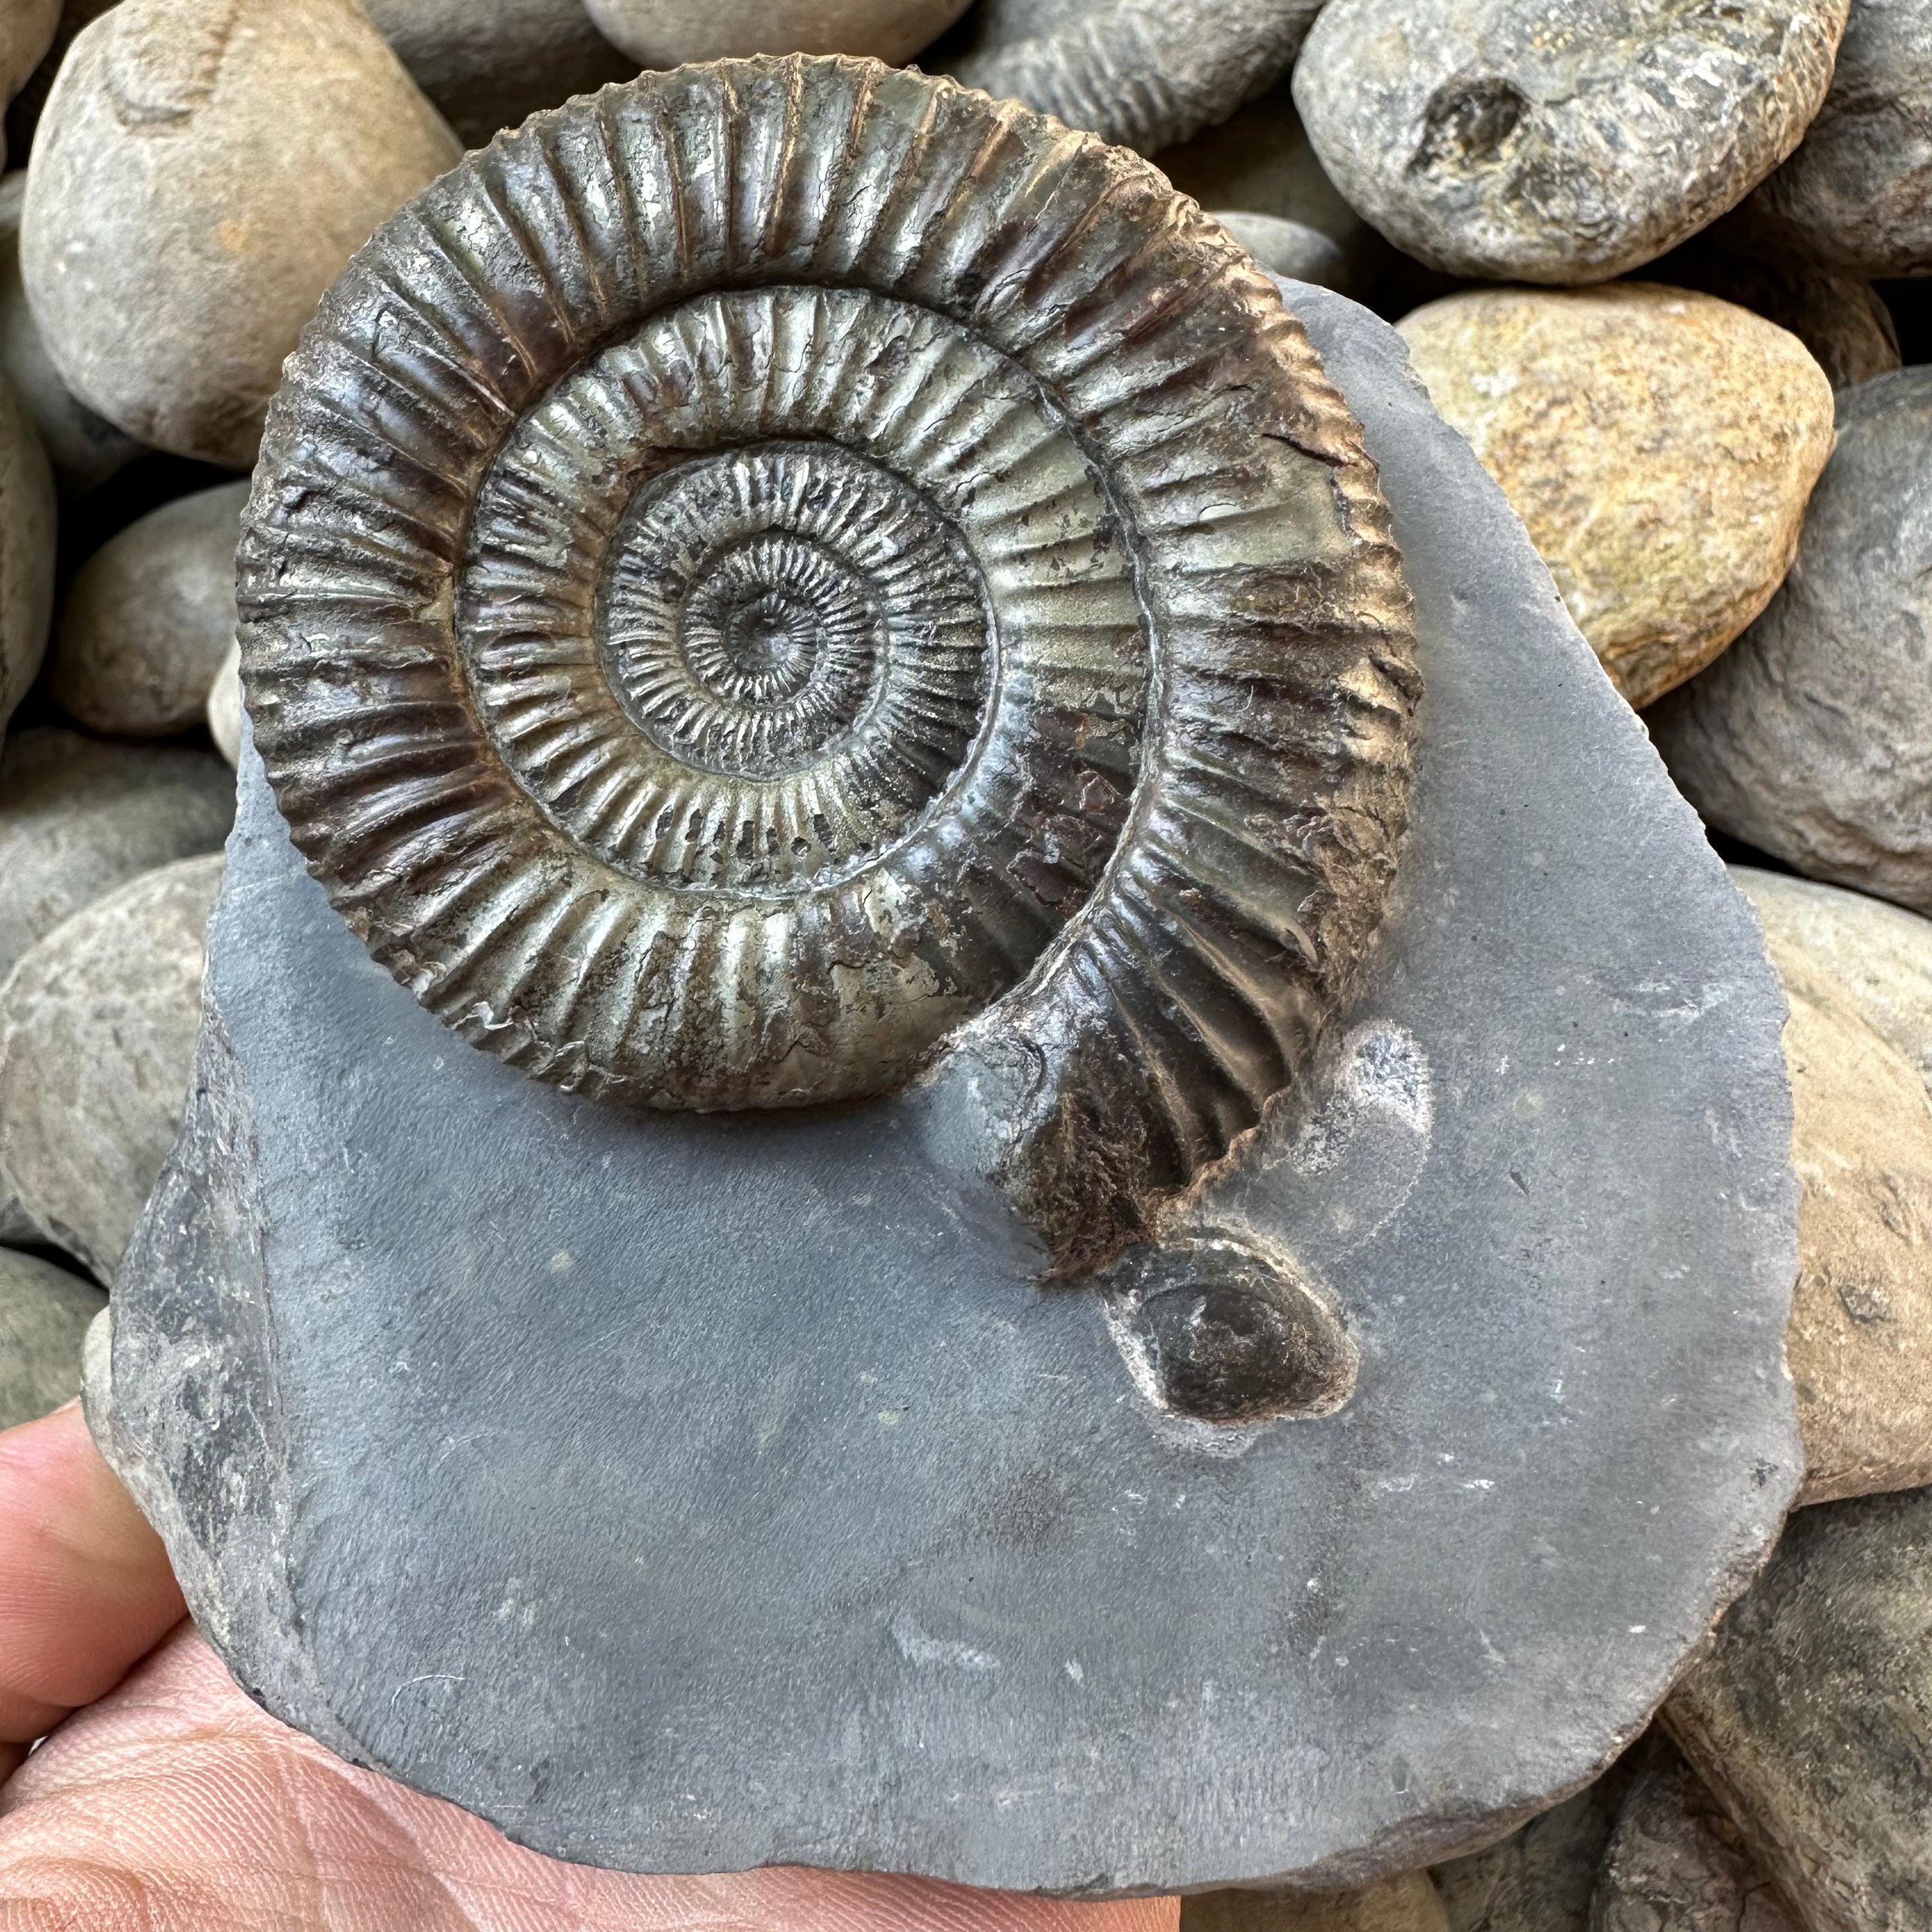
85,1591
177,1804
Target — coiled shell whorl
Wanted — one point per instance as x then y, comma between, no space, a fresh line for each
765,564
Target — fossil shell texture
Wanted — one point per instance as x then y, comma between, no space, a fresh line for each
1146,76
759,566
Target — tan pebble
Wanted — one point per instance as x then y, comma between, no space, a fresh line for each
1407,1904
1659,446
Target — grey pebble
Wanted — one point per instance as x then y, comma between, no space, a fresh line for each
1562,141
28,515
98,1024
1145,76
1855,197
1290,248
44,1311
150,617
224,707
1811,736
1809,1717
488,63
84,449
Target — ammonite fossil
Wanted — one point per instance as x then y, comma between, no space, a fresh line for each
781,567
1147,75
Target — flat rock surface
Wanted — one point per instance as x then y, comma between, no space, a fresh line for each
692,1494
1855,197
1860,1340
150,617
490,64
78,817
1558,140
44,1311
1879,954
170,275
1809,1718
1659,446
1145,77
1811,737
1677,1863
98,1026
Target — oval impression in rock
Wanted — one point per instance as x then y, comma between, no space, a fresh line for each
1054,1136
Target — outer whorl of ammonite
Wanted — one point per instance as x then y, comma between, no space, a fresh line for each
762,566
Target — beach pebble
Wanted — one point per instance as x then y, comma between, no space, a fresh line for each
667,33
44,1311
1407,1904
26,31
1288,248
78,817
27,554
1811,736
150,617
98,1026
1808,1716
224,707
84,449
1857,195
202,171
489,64
1535,141
1659,446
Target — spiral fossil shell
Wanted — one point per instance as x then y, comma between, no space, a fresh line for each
764,565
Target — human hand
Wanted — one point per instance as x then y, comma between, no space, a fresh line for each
168,1802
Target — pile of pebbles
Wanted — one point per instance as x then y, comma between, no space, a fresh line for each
1657,261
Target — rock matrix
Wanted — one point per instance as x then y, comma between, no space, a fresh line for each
1880,955
1659,446
1559,141
1676,1863
27,513
490,64
203,171
1855,196
1147,77
84,449
1808,1718
150,618
78,817
667,33
98,1024
1811,737
1404,1904
44,1311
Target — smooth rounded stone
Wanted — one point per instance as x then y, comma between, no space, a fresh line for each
1676,1863
490,64
1854,196
937,1547
1147,77
27,516
1880,954
1811,737
26,31
1288,248
1842,321
224,705
1562,141
667,33
78,817
1542,1878
44,1311
1808,1719
1407,1904
97,1025
1860,1345
84,449
1660,446
203,170
150,618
